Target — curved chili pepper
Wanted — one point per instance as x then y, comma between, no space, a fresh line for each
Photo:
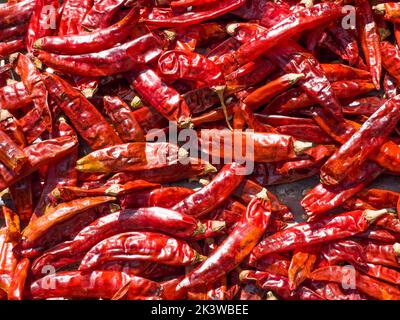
235,247
100,15
143,246
365,141
124,121
177,64
212,195
369,36
165,17
279,284
330,228
11,155
14,96
363,106
132,156
13,32
91,42
17,285
111,61
164,99
347,41
17,13
95,284
87,120
8,261
390,57
363,283
149,118
60,213
152,219
73,13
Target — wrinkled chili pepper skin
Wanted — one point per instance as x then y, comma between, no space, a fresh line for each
165,17
161,97
212,195
100,15
374,288
100,40
8,261
111,61
11,154
365,141
87,120
331,228
96,284
176,64
143,246
124,121
369,37
14,96
280,285
16,289
390,58
72,16
134,156
235,247
17,13
38,154
152,219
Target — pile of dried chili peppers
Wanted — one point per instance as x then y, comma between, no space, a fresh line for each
94,206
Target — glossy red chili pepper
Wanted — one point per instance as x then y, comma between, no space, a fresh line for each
95,284
17,285
390,57
21,194
363,106
100,15
108,62
374,288
92,42
164,99
165,17
87,120
17,13
330,228
279,284
369,37
235,247
73,13
123,119
152,219
8,261
212,195
13,32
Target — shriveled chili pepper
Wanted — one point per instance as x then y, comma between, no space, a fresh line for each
165,17
125,122
92,42
212,195
73,13
330,228
11,154
365,284
100,15
87,120
14,96
363,106
17,13
369,38
152,219
235,247
17,285
280,285
164,99
108,62
389,86
390,58
13,31
21,194
8,261
95,284
145,246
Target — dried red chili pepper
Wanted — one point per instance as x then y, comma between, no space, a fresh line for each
100,15
16,13
235,247
330,228
73,13
14,96
108,62
365,284
17,285
100,40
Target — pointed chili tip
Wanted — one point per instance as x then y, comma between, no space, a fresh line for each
244,275
372,215
263,195
231,28
301,146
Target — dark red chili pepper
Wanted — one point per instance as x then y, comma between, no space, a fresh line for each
108,62
73,13
17,13
17,285
100,15
92,42
13,32
330,228
390,57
